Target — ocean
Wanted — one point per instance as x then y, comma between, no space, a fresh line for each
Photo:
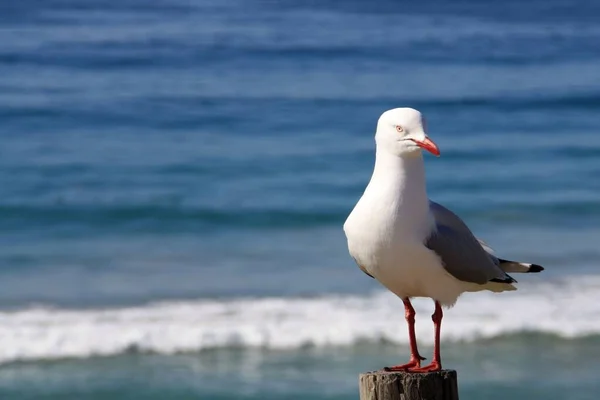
174,176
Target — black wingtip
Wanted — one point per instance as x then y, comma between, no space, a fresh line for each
535,268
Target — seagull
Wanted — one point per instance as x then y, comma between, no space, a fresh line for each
413,246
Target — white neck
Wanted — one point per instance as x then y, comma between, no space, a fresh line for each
401,181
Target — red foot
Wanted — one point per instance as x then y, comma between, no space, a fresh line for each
415,362
434,366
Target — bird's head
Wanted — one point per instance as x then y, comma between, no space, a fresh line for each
401,131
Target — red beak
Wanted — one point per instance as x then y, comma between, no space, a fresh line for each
428,145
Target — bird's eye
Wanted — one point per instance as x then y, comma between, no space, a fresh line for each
399,128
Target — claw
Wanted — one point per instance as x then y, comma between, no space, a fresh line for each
415,362
434,366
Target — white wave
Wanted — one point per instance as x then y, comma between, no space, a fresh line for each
565,308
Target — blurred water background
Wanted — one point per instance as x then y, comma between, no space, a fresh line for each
174,175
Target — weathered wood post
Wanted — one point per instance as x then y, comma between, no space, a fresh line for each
385,385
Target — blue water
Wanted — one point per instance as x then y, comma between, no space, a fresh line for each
174,176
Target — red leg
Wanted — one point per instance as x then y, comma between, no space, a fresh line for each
436,363
415,358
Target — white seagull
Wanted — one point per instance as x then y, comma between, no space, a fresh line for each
412,245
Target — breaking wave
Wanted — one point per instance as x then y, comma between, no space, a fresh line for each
562,308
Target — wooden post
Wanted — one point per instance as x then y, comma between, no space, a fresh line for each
384,385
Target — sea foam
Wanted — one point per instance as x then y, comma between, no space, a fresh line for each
567,308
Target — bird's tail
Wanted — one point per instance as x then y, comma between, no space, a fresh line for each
514,266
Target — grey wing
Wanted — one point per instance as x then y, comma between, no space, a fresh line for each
461,253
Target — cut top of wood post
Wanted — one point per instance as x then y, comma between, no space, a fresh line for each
384,385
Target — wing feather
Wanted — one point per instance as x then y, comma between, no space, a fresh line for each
462,255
